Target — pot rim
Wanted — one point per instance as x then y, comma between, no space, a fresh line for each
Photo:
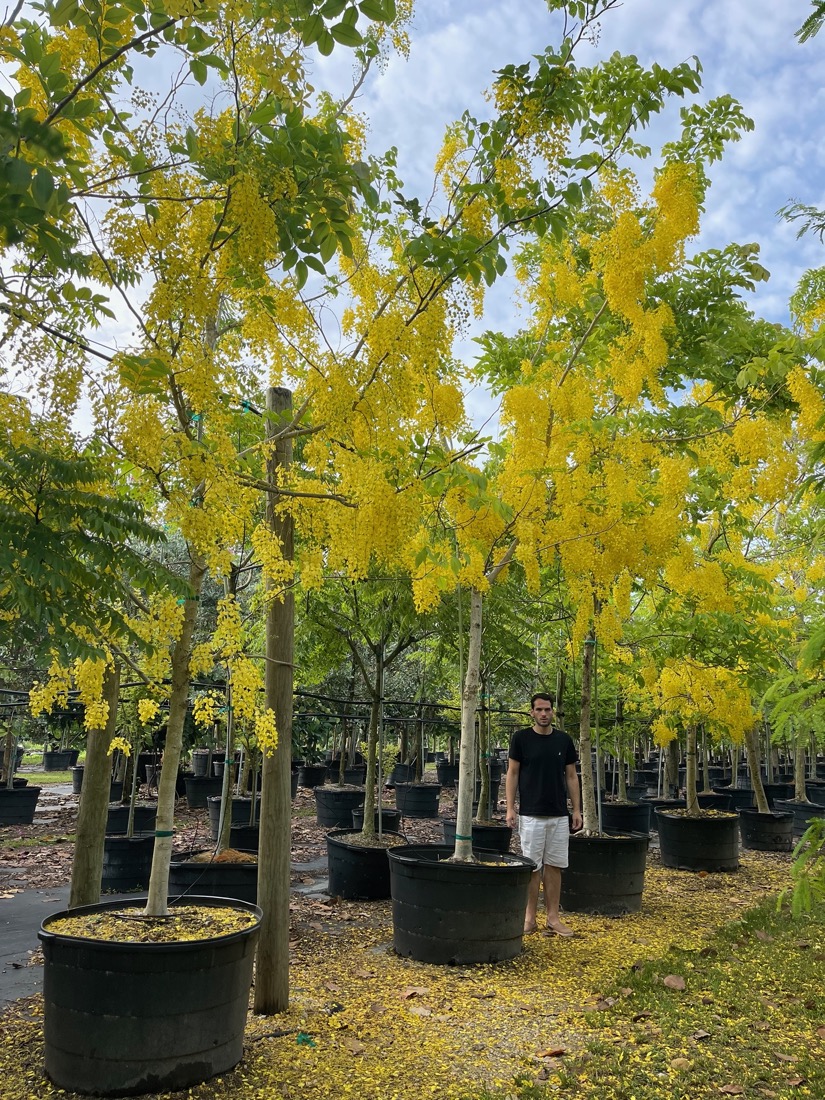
440,853
703,815
336,836
46,935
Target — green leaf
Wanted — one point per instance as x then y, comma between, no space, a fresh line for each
326,43
43,187
198,70
313,29
301,274
346,34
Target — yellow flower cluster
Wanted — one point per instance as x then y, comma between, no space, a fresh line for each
266,732
88,675
206,708
120,744
687,693
43,698
147,710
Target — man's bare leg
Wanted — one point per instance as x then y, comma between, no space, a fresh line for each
552,894
530,924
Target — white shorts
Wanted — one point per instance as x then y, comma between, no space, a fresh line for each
545,840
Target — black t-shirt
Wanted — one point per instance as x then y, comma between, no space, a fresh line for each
542,758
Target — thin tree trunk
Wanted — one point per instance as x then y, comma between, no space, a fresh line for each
752,743
799,792
87,865
705,763
690,773
590,812
178,702
467,756
672,769
272,973
368,828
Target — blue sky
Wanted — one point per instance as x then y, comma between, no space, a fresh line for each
747,49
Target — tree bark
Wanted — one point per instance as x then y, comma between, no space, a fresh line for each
799,792
467,757
272,974
690,773
87,865
156,905
752,743
590,812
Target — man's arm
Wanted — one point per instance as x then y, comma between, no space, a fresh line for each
574,792
510,790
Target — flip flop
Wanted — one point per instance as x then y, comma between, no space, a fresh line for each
531,930
555,932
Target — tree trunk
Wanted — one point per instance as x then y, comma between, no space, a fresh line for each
467,756
561,677
225,821
590,812
368,828
87,865
178,702
272,973
483,742
705,763
799,792
672,769
752,743
690,773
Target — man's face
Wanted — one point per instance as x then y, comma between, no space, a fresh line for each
542,713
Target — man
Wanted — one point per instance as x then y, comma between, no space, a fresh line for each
542,770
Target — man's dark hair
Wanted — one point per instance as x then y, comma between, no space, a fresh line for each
542,695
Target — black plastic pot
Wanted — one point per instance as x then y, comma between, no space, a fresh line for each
802,812
127,1018
127,862
293,783
401,773
661,803
200,762
201,787
626,817
699,843
241,808
17,805
741,798
606,874
460,913
774,791
447,773
312,775
57,761
491,837
334,805
117,821
115,788
245,838
715,800
356,871
816,794
218,880
417,799
390,819
766,832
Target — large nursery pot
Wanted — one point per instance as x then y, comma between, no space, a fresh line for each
491,836
802,812
17,805
312,775
772,832
401,773
115,787
445,912
57,761
417,799
390,819
777,791
741,798
357,870
709,842
662,804
626,817
715,800
216,878
127,1018
606,874
816,793
334,805
241,808
199,788
117,821
245,838
127,862
447,773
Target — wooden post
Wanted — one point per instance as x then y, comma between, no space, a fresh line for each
272,974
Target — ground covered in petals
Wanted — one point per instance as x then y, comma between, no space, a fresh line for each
564,1019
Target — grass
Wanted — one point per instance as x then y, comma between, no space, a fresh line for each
47,779
749,1022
